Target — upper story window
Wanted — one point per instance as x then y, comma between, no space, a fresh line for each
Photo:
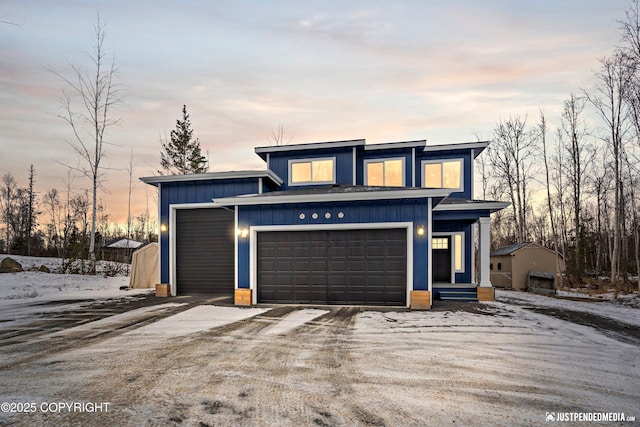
385,172
443,174
312,171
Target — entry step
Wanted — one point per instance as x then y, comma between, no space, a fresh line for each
458,296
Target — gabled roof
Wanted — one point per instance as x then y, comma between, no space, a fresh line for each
512,249
125,243
269,174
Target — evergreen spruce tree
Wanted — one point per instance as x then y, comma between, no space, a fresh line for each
181,155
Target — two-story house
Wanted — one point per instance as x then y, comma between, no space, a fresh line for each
330,223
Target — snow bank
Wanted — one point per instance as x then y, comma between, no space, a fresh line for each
35,286
619,313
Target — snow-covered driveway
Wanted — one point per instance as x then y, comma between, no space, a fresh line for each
184,362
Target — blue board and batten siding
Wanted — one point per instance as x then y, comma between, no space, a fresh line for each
396,211
193,193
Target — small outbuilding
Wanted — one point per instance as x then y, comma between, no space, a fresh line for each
144,267
120,250
513,266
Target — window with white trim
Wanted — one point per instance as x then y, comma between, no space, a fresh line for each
312,171
443,174
385,172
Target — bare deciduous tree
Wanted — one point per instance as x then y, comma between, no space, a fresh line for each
511,155
608,97
8,195
580,156
87,102
542,135
278,136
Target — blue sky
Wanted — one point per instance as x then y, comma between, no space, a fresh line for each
325,70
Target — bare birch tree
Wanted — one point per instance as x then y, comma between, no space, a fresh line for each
87,102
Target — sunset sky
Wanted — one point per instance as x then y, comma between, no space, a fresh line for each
444,71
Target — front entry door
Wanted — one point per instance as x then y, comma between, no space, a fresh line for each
441,257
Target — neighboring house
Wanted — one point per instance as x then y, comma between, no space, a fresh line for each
120,250
510,265
330,223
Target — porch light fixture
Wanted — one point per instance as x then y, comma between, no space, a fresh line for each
163,228
243,232
420,230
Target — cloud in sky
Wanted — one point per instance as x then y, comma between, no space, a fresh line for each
325,70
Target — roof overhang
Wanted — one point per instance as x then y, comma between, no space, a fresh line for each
267,173
262,151
477,147
392,145
256,199
465,206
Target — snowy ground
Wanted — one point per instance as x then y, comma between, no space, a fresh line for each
23,294
193,362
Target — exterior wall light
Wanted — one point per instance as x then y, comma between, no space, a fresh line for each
243,232
163,228
420,230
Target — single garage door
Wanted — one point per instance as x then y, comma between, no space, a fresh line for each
364,267
204,251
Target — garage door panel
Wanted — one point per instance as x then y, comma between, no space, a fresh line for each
333,266
204,251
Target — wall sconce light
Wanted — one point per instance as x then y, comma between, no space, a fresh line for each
420,230
163,228
243,232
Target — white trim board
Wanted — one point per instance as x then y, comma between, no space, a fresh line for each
210,176
493,206
310,146
253,246
401,193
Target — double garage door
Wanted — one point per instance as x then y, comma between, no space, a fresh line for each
363,266
333,266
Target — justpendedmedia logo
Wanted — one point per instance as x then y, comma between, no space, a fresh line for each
588,416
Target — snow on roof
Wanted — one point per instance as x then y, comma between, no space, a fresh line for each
125,243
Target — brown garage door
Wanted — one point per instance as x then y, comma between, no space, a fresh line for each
333,267
204,251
